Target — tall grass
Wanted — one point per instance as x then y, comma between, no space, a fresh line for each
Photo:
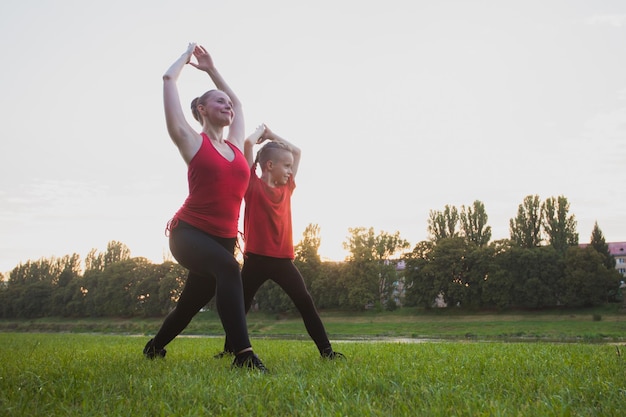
106,375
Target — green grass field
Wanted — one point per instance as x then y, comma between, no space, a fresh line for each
106,375
469,371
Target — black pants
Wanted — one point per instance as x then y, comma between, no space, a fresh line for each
213,270
257,269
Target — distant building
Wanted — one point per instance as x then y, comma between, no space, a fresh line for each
618,250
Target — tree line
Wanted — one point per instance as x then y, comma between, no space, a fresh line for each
541,265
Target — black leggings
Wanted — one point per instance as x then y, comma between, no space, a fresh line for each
213,270
257,269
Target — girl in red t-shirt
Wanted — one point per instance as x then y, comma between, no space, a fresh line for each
268,252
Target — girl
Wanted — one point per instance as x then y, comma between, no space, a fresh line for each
268,235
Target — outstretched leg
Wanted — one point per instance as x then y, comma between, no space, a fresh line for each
288,277
197,292
213,271
252,279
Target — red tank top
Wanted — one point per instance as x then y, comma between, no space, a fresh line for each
216,188
267,225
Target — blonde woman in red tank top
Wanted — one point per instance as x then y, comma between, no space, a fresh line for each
203,232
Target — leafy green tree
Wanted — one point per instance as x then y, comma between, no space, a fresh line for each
498,287
171,284
101,294
388,248
327,289
452,268
146,294
111,291
449,269
307,258
6,308
599,244
441,271
85,294
322,278
474,224
94,261
116,252
587,281
74,294
443,224
360,277
479,263
419,281
70,269
64,290
534,275
3,296
370,271
542,268
35,300
307,250
116,287
525,229
43,270
559,226
35,288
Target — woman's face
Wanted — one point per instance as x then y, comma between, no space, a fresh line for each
218,109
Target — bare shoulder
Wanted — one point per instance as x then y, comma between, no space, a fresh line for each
188,145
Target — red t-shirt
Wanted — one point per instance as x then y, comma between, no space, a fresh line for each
267,228
216,189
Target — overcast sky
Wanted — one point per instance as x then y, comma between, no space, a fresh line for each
399,107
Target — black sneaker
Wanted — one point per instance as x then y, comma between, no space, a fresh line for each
249,360
330,354
151,352
223,353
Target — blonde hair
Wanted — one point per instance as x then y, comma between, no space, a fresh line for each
269,152
198,101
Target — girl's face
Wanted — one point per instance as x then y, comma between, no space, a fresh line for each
280,168
218,109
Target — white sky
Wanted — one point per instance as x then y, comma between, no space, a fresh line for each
400,107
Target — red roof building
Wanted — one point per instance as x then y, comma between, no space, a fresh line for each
618,250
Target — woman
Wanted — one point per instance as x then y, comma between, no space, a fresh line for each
203,232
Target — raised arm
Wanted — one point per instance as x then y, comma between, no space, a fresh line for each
255,138
269,135
236,131
183,135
